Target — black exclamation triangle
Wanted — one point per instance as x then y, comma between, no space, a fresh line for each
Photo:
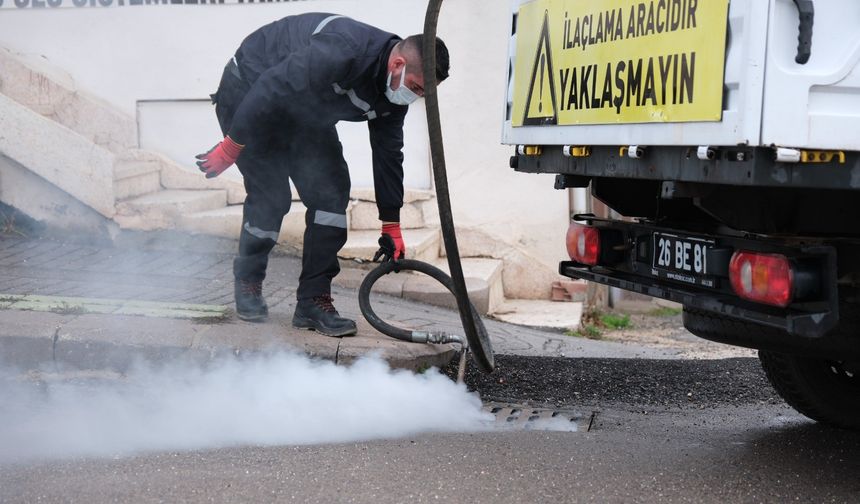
541,115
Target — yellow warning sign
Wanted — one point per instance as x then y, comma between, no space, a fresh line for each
619,61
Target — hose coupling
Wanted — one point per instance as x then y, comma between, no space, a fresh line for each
436,338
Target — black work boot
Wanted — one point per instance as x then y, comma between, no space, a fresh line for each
320,315
250,304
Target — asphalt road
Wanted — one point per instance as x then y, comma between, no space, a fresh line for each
679,431
568,382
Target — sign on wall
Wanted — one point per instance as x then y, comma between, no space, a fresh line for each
53,4
619,61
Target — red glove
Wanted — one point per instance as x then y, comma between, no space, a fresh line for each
393,230
219,158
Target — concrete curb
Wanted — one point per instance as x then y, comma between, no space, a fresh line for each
78,305
33,339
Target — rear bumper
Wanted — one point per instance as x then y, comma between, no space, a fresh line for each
810,317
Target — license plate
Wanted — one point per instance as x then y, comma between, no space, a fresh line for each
682,258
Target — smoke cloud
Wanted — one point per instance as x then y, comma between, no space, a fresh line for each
281,399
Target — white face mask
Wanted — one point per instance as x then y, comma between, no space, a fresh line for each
402,95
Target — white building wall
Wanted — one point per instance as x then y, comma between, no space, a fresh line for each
129,54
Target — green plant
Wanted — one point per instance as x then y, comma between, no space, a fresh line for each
7,224
665,311
588,331
215,318
65,308
615,321
595,322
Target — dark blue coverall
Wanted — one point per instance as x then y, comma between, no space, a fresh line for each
281,95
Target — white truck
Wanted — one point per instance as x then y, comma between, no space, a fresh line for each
725,136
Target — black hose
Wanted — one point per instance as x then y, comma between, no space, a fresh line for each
396,332
476,333
479,341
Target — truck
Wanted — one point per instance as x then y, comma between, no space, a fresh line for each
723,136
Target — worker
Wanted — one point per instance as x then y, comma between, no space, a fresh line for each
278,102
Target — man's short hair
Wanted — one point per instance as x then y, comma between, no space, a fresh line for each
443,63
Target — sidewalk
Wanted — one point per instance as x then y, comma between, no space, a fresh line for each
155,296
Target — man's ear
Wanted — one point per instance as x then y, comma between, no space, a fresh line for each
396,63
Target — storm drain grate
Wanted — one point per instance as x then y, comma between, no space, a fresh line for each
519,417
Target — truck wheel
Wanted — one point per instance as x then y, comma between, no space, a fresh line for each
824,390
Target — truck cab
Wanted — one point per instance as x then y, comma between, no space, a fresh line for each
723,137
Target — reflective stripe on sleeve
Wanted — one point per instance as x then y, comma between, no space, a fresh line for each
323,23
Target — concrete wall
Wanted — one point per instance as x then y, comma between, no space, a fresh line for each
167,52
58,154
45,203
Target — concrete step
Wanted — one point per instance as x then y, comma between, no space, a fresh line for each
409,195
177,177
540,314
135,178
426,289
421,244
227,223
224,222
488,271
364,215
126,168
164,209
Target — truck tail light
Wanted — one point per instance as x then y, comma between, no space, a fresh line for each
583,243
763,278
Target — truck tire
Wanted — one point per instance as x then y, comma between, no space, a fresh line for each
824,390
821,389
